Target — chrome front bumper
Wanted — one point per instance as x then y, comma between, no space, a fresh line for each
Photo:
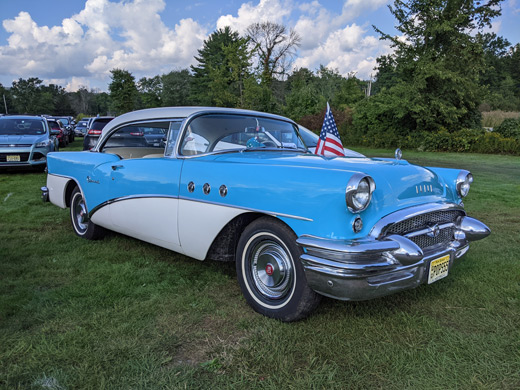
373,267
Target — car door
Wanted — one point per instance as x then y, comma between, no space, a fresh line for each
143,187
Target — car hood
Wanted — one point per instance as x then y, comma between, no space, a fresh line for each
21,139
397,181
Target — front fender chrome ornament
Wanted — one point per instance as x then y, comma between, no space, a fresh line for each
206,188
398,154
191,186
222,190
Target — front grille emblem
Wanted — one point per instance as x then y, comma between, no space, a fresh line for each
433,231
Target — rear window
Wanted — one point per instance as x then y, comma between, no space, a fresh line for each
99,124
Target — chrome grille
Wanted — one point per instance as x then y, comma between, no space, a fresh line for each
425,221
424,241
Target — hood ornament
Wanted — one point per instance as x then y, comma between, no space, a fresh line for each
398,154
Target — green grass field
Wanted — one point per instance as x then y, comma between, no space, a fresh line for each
123,314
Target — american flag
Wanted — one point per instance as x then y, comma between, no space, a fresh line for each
329,143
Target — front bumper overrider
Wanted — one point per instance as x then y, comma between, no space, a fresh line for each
378,265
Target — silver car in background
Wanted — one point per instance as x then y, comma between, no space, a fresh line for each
25,141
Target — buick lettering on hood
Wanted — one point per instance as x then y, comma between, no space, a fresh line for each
238,185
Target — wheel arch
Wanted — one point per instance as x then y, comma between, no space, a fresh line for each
223,247
71,184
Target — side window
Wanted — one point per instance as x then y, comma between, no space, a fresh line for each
171,139
193,143
140,140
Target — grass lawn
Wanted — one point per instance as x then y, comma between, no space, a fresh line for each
123,314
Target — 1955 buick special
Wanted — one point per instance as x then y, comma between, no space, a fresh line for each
238,185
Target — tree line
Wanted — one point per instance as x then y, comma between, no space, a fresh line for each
444,71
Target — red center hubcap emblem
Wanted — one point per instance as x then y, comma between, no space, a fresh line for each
269,269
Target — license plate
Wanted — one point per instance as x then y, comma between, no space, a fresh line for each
13,158
439,268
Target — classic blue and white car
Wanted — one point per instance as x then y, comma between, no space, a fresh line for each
25,141
238,185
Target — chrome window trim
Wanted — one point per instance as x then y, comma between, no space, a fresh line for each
195,115
410,212
143,196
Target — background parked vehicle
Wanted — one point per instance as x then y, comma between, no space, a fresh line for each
81,127
68,125
25,141
61,135
94,131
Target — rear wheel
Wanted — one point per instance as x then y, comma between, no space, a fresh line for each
270,273
81,223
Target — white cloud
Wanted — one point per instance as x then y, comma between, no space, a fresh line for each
348,50
267,10
76,83
102,36
131,34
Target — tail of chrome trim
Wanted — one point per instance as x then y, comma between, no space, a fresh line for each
472,228
45,194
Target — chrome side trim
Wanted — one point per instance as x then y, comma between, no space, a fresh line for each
378,230
141,196
272,213
115,200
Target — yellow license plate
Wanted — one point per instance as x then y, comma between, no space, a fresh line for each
13,158
439,268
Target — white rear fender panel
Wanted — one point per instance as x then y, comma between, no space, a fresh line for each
200,223
57,186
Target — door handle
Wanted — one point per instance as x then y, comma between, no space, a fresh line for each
116,167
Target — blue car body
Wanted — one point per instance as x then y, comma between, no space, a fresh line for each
201,202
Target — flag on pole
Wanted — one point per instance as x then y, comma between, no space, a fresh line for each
329,143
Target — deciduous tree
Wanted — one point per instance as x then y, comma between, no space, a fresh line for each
123,91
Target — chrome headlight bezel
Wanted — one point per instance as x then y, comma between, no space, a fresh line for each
357,183
463,183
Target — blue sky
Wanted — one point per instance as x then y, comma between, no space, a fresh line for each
75,43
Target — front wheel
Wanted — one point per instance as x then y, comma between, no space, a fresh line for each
270,273
82,225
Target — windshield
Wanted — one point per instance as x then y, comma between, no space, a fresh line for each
65,121
12,126
219,132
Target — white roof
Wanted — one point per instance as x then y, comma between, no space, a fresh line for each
175,112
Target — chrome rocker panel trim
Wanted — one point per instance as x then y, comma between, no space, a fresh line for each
376,266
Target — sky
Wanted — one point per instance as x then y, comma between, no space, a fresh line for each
75,43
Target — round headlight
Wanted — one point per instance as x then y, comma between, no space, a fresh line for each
359,192
464,181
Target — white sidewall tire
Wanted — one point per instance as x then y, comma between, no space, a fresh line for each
286,302
246,278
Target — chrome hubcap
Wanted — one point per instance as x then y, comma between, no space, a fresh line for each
80,212
272,269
